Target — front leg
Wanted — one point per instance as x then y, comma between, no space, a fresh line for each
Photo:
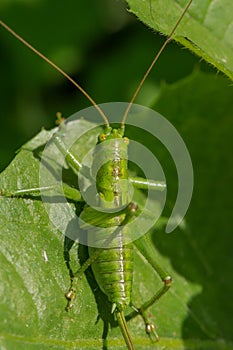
144,184
69,192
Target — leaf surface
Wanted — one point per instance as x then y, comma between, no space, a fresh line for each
34,276
207,28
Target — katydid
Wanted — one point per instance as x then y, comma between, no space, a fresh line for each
111,254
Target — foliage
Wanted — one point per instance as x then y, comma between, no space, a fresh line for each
197,312
206,30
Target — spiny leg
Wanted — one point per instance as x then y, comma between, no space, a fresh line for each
144,184
75,277
72,161
68,191
76,165
144,246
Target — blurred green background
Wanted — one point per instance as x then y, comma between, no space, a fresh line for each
107,50
97,42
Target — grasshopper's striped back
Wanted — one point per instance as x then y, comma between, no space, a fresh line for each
111,160
113,268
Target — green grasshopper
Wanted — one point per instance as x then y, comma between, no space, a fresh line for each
111,250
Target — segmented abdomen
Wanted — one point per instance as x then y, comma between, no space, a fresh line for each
113,270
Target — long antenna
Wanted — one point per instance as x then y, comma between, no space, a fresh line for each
152,64
46,59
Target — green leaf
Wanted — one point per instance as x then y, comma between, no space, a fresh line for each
197,311
34,277
207,28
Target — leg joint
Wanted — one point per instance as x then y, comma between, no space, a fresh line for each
167,281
